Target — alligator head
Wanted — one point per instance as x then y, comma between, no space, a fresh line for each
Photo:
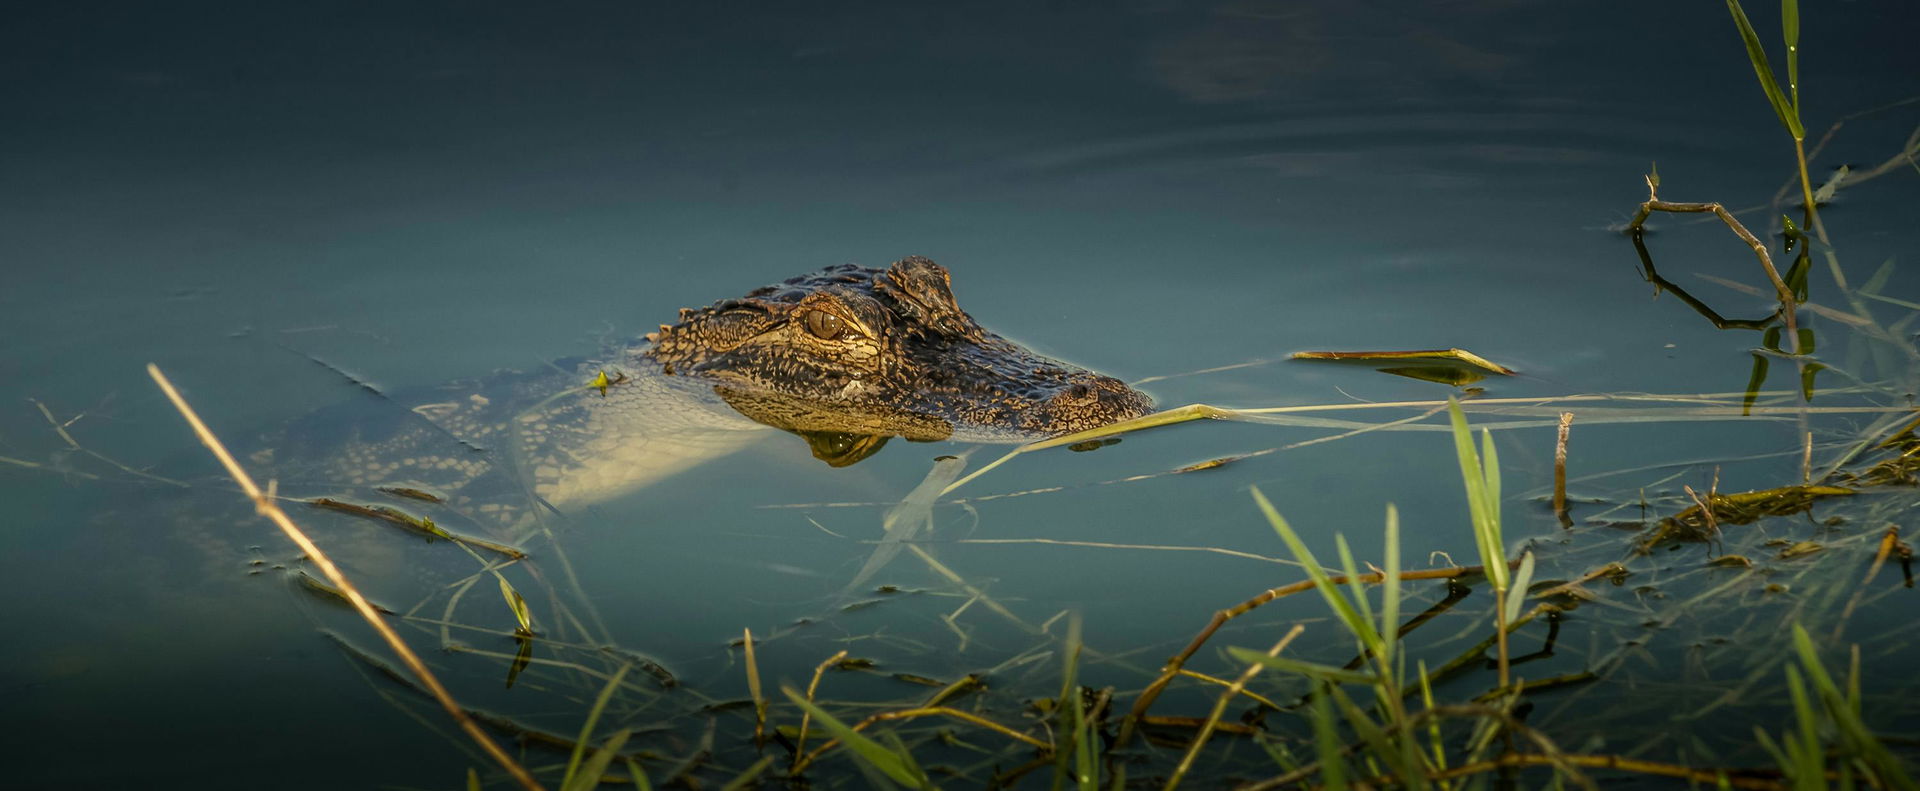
851,350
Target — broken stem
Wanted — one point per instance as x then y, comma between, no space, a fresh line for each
263,501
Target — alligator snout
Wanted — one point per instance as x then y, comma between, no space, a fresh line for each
1090,401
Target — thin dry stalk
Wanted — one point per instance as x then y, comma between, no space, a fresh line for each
1221,682
1560,471
806,718
1220,708
263,502
74,444
1889,541
1788,304
1706,510
1806,460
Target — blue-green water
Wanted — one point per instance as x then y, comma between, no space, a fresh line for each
421,193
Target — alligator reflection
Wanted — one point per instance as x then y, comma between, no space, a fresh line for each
837,435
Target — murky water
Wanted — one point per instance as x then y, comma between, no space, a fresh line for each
413,195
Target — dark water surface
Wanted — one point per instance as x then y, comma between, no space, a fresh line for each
424,192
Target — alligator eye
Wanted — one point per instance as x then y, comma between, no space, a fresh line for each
825,326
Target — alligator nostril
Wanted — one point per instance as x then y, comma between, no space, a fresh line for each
1079,391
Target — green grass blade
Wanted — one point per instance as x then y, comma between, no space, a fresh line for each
745,779
1490,469
1313,670
897,766
1433,723
1773,748
1390,592
1329,746
1790,29
638,775
590,772
1375,737
1854,734
899,748
1069,715
1517,597
1352,570
1336,601
1086,756
517,604
1763,69
593,718
1809,721
1485,527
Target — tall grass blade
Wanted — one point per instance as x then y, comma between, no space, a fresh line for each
588,777
638,775
1375,737
1854,734
1329,746
1789,116
1071,717
1086,756
1337,601
593,718
1490,469
1790,29
1805,749
753,689
1359,588
1313,670
1390,591
894,765
1486,516
746,779
1517,596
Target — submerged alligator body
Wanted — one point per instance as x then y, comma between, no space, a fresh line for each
846,358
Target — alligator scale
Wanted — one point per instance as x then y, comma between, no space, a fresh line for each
846,357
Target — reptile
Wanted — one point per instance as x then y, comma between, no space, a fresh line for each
846,357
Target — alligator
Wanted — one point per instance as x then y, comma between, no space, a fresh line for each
847,358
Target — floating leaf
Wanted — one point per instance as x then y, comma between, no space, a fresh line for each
1447,366
517,604
1801,548
413,494
327,590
